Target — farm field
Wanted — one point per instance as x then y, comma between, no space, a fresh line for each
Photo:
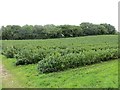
0,72
80,62
102,75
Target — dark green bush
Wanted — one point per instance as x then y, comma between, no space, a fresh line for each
31,56
9,52
56,62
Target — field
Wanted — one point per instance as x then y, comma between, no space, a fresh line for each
80,62
103,75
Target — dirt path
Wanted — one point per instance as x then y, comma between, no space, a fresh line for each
8,81
0,76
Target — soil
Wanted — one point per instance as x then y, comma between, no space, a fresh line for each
8,81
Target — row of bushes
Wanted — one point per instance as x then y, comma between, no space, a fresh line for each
30,55
56,62
53,60
60,54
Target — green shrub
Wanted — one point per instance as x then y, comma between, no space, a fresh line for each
57,62
9,52
31,56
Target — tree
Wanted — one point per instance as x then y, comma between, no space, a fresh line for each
110,29
16,32
88,28
38,32
52,31
7,32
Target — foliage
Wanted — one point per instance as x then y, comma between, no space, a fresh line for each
100,75
60,54
57,62
16,32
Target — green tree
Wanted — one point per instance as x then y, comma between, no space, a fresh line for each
110,28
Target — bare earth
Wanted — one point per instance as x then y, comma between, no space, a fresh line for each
0,76
8,81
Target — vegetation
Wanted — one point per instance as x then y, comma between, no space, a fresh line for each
36,59
72,60
0,72
16,32
60,54
101,75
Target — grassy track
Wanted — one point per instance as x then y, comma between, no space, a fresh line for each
102,75
0,73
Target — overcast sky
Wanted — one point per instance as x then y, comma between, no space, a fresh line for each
73,12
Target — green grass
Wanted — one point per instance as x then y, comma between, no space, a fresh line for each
102,75
0,74
73,41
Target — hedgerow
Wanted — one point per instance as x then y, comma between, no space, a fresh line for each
29,55
57,62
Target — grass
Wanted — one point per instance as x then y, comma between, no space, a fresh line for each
101,75
1,73
73,41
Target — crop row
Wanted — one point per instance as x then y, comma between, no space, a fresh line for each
29,55
56,62
60,54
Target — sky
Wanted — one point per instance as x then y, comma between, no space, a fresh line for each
58,12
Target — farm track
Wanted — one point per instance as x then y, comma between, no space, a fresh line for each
8,79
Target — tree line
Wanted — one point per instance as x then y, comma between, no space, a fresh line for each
16,32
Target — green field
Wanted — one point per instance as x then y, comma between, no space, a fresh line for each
1,73
80,62
103,75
